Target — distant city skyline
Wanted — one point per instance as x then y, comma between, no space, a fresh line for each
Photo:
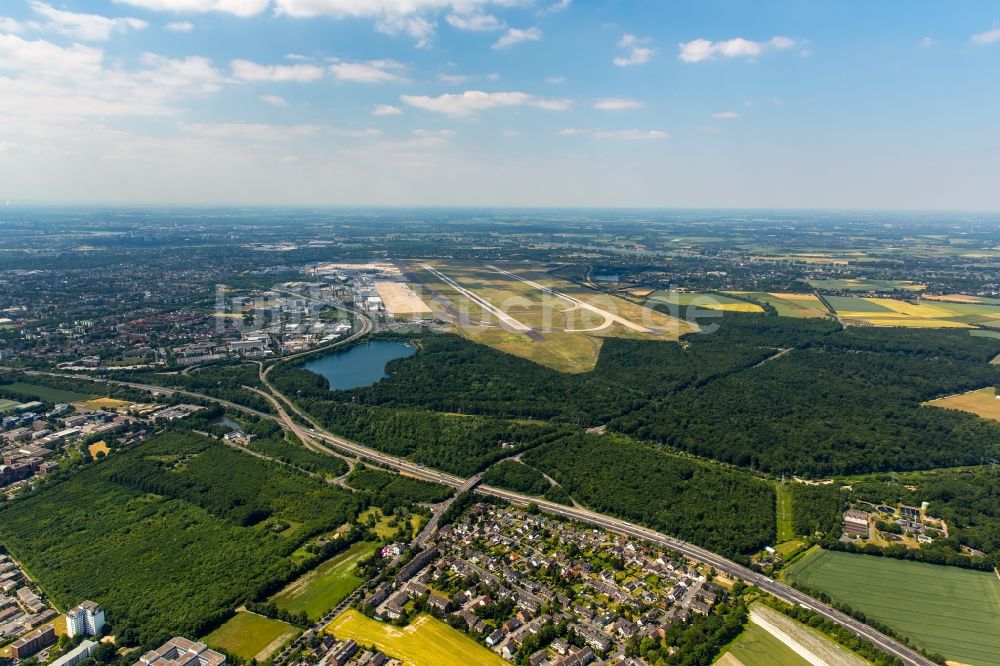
511,103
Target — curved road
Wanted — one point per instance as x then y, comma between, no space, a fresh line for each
317,434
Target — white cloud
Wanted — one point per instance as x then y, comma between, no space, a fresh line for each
780,42
192,72
988,37
638,53
557,6
273,133
274,100
47,84
180,26
371,71
556,80
617,135
357,133
445,134
88,27
454,79
725,115
41,57
245,70
631,135
472,101
242,8
386,110
638,56
702,49
617,104
10,26
475,21
517,36
415,18
251,131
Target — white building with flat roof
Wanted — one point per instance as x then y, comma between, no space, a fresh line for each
87,619
76,655
182,652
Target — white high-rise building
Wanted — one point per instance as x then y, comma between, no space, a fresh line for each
87,619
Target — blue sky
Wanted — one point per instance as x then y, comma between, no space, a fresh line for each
513,102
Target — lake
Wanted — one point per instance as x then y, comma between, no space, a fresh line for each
359,366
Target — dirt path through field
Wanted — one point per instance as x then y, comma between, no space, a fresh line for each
272,647
812,647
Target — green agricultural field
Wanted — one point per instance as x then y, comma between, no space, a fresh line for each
916,313
802,306
855,304
47,394
251,636
424,642
325,586
684,299
786,531
7,405
952,611
757,647
865,285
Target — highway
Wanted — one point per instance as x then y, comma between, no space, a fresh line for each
780,590
317,434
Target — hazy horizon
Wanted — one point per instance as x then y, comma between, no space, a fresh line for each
493,103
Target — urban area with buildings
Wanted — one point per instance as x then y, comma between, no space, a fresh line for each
527,585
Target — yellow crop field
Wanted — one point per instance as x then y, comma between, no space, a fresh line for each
802,306
919,309
685,299
957,298
913,322
424,642
522,310
913,314
982,402
98,447
105,403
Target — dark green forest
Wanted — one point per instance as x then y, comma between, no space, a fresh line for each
389,491
518,477
817,509
171,535
725,510
234,487
841,402
826,410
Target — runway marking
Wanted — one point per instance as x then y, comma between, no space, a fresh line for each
576,301
480,301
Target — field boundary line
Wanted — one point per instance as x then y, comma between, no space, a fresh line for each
757,618
996,593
